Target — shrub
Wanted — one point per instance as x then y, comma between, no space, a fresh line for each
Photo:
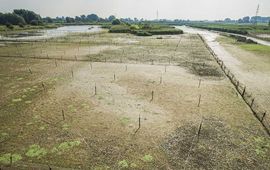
134,27
116,22
9,26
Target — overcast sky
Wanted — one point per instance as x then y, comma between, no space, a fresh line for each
169,9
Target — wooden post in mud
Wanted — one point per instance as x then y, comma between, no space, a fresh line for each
160,80
95,89
252,102
199,130
199,83
63,114
139,124
10,159
30,71
76,58
264,114
199,100
114,77
43,86
72,74
152,62
152,98
244,91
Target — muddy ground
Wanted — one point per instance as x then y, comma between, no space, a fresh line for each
117,101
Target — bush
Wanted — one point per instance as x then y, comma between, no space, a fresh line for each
116,22
9,26
119,29
134,27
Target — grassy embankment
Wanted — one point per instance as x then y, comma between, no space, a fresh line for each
145,29
243,29
254,48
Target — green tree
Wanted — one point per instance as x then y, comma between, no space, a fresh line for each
10,18
28,15
70,20
116,22
92,17
111,18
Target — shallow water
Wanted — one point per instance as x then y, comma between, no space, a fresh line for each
50,33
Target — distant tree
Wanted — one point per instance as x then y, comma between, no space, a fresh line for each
27,15
227,20
10,18
111,18
70,20
83,18
246,19
78,19
116,22
48,20
92,17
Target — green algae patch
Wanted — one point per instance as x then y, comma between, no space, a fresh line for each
262,146
16,100
6,158
36,151
123,164
148,158
65,146
125,120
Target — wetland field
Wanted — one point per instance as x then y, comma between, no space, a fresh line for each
100,100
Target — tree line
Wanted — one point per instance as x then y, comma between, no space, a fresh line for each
20,17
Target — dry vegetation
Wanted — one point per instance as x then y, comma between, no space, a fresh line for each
77,102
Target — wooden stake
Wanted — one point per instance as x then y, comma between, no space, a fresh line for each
199,131
30,71
114,76
199,101
10,159
199,83
244,91
139,124
252,103
152,96
160,80
264,114
95,89
43,85
63,114
72,73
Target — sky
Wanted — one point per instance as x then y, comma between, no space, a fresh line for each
147,9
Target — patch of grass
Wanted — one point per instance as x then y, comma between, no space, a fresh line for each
36,151
5,159
145,29
125,120
65,146
123,164
256,48
262,146
148,158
